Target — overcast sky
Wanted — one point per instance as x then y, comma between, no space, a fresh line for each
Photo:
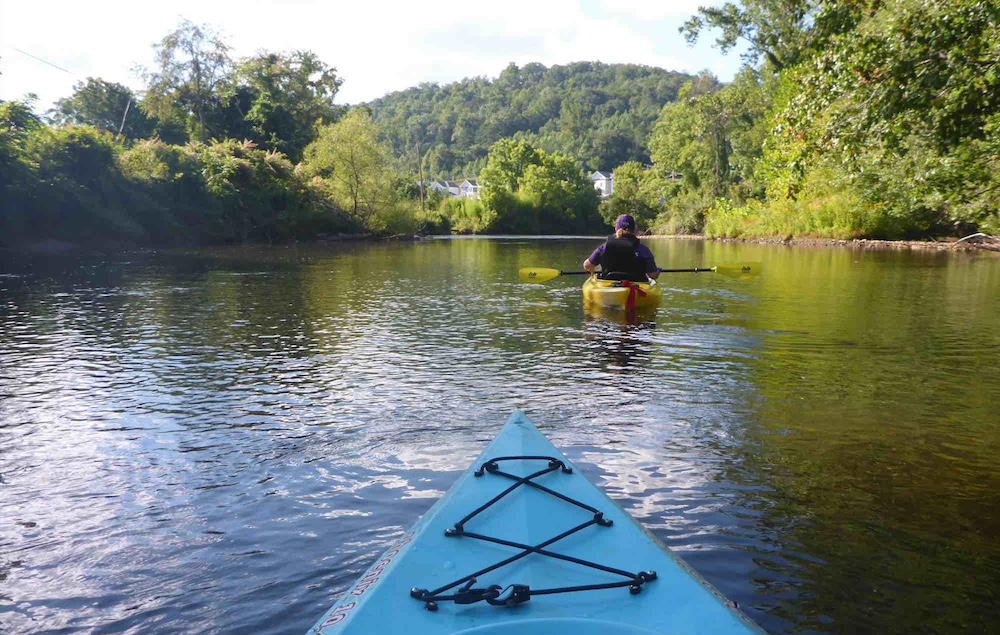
377,46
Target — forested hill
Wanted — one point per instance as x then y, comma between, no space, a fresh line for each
601,114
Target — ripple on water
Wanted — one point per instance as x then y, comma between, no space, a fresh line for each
223,442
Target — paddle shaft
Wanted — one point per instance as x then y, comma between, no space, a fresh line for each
693,270
742,270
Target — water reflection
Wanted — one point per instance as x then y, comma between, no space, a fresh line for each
639,316
622,342
221,441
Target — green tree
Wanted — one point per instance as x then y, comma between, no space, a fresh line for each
528,190
508,159
17,121
351,157
106,105
562,196
713,137
191,72
632,195
18,178
613,147
600,114
783,32
690,138
82,197
501,179
904,107
290,93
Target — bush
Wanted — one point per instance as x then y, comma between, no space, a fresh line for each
80,193
467,216
827,207
433,220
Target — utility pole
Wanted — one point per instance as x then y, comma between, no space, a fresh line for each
122,127
420,171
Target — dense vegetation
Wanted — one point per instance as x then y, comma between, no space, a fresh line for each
874,118
224,150
78,185
601,114
869,118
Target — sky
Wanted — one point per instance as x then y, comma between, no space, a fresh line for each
377,46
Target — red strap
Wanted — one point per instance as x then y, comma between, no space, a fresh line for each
632,288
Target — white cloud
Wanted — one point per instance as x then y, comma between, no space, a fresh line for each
377,46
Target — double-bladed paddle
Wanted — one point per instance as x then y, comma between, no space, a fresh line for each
741,270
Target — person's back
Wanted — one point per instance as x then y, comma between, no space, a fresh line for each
622,257
620,260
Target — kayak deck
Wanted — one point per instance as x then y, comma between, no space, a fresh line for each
622,294
529,516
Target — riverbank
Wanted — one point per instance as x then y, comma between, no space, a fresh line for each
984,243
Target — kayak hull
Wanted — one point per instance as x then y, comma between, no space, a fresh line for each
677,601
615,294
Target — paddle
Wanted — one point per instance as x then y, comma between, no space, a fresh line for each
742,271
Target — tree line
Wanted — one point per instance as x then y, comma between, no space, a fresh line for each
600,114
860,119
873,118
216,149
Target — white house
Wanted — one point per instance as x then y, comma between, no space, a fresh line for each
444,188
433,186
603,182
469,188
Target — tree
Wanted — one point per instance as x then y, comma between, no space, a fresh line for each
563,197
508,159
689,138
350,156
905,107
18,179
106,105
777,30
529,190
190,74
631,195
600,114
614,147
17,121
290,94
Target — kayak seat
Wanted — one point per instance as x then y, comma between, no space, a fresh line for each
623,275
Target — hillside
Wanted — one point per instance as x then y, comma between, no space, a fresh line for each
601,114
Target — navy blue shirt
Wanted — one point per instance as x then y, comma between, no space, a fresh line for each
642,252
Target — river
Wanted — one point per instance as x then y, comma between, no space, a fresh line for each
221,441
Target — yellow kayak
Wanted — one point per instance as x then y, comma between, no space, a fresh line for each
621,294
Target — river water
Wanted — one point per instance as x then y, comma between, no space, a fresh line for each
222,441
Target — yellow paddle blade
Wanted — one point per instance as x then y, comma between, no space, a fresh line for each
741,270
537,274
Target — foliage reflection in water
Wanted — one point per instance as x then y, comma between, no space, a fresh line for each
223,440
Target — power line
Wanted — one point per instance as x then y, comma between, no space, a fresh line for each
43,61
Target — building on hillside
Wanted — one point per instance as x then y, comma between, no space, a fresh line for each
443,188
469,189
604,183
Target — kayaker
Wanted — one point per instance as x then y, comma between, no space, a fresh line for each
622,257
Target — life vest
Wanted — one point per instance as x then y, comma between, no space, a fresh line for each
621,261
